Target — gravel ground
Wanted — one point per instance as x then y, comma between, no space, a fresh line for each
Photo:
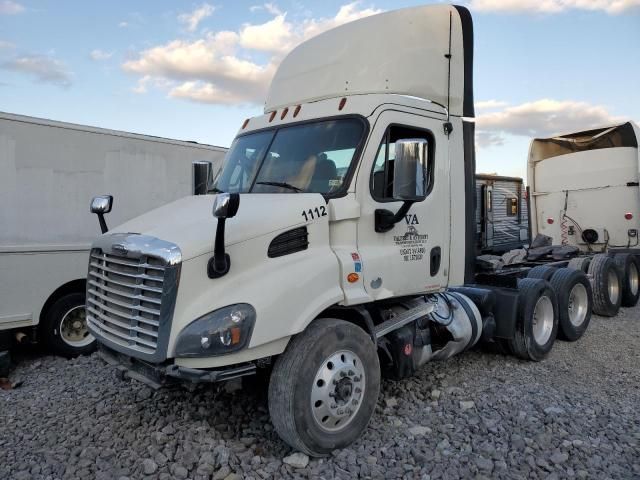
575,415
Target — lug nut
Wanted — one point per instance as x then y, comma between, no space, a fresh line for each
340,411
351,373
356,379
348,411
343,374
358,390
333,405
354,402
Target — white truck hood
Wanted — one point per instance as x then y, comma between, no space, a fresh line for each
189,224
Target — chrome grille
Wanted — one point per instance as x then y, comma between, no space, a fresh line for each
132,287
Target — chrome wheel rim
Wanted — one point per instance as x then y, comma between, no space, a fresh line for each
578,304
613,287
543,320
337,391
73,328
634,280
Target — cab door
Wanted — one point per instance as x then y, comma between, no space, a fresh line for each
413,256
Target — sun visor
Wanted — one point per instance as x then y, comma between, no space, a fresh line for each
425,52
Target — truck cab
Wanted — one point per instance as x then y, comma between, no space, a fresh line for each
335,243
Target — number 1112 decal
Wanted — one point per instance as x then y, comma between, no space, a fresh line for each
314,213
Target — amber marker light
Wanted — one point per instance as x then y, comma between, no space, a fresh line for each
343,102
284,113
246,122
550,221
273,115
628,215
353,277
296,111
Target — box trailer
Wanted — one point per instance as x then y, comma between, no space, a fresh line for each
49,171
338,243
502,218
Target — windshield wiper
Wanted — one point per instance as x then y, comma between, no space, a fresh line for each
281,184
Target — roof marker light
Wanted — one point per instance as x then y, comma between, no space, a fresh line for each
273,115
284,113
246,122
296,111
550,221
343,102
628,215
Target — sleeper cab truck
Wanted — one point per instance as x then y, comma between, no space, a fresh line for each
584,194
49,171
342,242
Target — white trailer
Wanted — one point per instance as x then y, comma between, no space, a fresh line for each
585,195
49,171
342,244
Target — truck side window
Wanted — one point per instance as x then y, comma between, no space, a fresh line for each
382,177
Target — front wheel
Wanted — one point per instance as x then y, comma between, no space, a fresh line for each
324,387
64,327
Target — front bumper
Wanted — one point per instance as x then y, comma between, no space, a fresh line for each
161,375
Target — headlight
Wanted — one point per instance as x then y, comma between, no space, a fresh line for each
222,331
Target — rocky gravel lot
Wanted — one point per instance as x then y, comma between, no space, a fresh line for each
480,415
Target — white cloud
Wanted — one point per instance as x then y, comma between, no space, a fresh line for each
193,19
44,69
541,118
222,67
123,24
99,55
553,6
4,45
269,7
490,104
8,7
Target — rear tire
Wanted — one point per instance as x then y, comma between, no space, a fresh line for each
64,327
630,268
580,263
537,321
575,303
324,387
606,284
543,272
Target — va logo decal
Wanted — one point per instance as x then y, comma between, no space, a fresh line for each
411,219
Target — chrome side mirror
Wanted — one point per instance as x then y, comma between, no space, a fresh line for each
101,205
202,176
410,169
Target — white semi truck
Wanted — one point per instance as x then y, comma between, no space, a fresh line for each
49,171
342,243
584,195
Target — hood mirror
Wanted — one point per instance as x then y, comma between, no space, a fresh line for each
101,205
225,206
202,175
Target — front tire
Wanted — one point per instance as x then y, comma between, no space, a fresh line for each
64,327
324,387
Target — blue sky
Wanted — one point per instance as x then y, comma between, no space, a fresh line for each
196,70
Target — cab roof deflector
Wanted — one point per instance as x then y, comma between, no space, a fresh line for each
424,52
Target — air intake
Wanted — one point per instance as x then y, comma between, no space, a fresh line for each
289,242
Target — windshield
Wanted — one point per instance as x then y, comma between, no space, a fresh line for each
312,157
